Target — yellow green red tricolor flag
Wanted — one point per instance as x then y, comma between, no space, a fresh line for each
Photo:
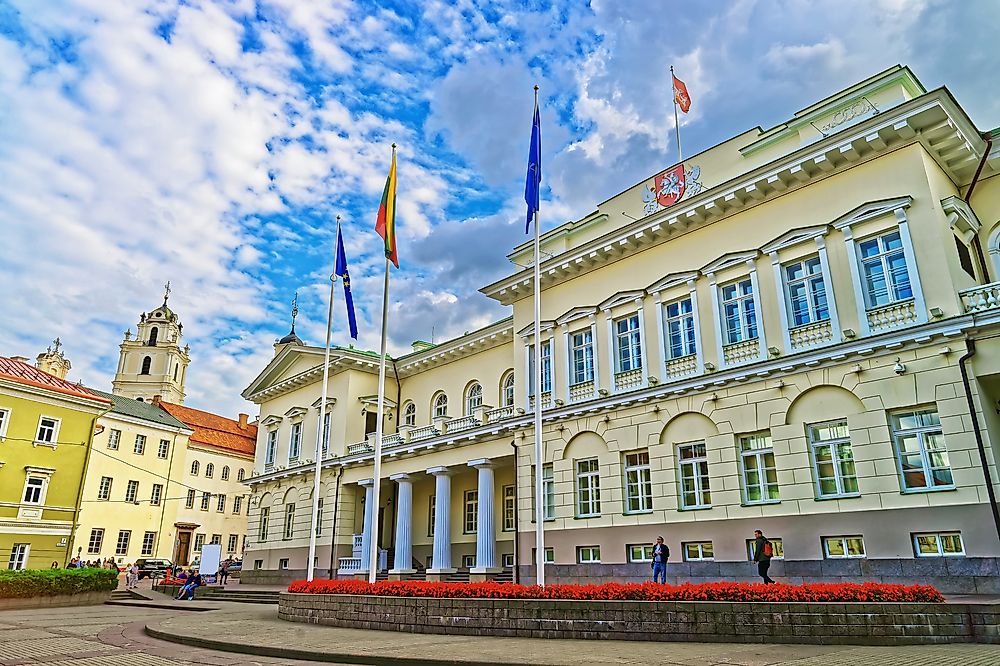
386,223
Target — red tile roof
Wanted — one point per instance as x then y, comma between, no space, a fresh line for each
29,375
215,430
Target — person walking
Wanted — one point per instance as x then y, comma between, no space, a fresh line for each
660,556
763,551
133,575
224,572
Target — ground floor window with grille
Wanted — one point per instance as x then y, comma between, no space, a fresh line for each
777,547
838,547
199,541
938,544
96,540
148,541
18,556
640,552
124,537
587,554
698,551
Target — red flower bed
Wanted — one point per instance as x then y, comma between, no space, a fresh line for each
875,592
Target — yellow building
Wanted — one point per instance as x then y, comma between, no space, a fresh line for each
792,331
46,428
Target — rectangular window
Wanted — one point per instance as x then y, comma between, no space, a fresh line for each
639,552
678,327
806,291
189,500
238,504
164,449
883,265
265,515
272,447
220,505
760,476
588,488
628,343
468,561
47,430
131,491
206,498
921,451
104,489
157,495
216,539
471,512
114,439
638,486
698,551
140,445
4,421
582,357
430,515
326,431
319,517
283,563
833,460
509,508
546,368
33,490
96,540
550,555
696,492
234,541
18,556
587,554
739,315
507,560
838,547
938,544
295,441
548,492
199,541
124,536
148,541
777,547
258,564
289,521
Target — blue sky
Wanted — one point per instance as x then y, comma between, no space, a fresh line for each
212,144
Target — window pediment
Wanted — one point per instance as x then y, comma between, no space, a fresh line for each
529,330
272,420
794,237
39,471
330,402
871,210
961,218
621,298
672,280
729,260
296,413
577,313
372,401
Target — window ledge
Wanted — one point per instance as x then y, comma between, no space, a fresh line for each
51,445
923,491
586,516
695,508
826,498
644,512
761,503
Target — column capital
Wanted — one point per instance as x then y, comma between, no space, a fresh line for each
482,463
365,483
401,478
440,470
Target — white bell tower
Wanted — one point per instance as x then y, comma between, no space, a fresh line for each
153,363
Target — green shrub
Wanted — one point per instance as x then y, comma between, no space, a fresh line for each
29,583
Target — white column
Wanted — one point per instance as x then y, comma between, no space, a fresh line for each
661,338
567,364
404,524
442,520
528,374
611,352
486,535
719,320
366,528
596,354
859,291
640,312
699,356
831,298
911,266
786,319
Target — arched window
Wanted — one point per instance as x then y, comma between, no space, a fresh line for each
507,390
153,332
441,405
473,398
240,475
410,414
209,470
194,468
225,473
146,362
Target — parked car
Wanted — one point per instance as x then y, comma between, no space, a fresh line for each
150,567
195,564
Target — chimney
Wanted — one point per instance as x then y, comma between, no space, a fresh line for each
243,421
22,359
156,399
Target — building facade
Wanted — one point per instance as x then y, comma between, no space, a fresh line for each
46,428
793,331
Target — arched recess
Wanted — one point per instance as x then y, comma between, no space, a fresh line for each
688,427
583,445
823,403
266,500
291,496
993,247
147,363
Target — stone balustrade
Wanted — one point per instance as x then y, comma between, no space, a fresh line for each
892,316
581,391
981,298
462,423
359,447
741,352
682,366
500,413
423,432
546,400
349,565
810,335
628,380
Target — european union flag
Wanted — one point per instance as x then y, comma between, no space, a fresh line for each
342,273
533,182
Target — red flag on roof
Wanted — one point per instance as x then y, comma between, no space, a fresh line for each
681,97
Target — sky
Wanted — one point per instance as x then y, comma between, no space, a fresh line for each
213,144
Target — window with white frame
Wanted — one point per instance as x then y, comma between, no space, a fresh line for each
806,290
232,543
140,445
639,552
550,555
698,551
156,496
195,468
295,441
189,500
326,432
587,555
777,548
883,267
164,450
938,544
760,475
4,422
319,517
104,488
921,450
238,504
833,460
96,540
696,491
410,414
507,560
431,503
289,521
441,405
220,505
581,356
34,489
473,398
468,561
206,498
838,547
509,509
209,470
283,563
739,315
114,439
588,488
678,328
131,491
548,493
124,537
216,540
471,511
48,430
148,541
271,450
546,368
507,390
628,343
240,475
225,473
638,485
18,556
265,516
199,541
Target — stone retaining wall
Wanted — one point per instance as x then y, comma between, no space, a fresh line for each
824,623
275,576
56,601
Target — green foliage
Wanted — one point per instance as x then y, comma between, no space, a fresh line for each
29,583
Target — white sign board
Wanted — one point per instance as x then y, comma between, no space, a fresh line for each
211,557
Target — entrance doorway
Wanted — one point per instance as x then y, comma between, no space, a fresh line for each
182,549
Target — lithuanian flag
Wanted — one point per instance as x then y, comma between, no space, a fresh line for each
385,226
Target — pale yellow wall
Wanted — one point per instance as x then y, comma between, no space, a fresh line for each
213,521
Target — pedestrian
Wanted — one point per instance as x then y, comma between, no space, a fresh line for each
660,556
763,551
133,575
224,572
54,565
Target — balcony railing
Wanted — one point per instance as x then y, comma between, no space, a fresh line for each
500,414
392,440
349,565
359,447
546,400
356,542
581,391
462,423
423,432
981,298
681,366
892,316
628,379
741,352
810,335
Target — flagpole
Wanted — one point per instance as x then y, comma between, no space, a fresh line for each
322,418
539,498
677,123
377,472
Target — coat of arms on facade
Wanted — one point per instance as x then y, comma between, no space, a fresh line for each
671,186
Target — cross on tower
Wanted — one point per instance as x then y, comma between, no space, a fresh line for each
295,308
57,343
166,292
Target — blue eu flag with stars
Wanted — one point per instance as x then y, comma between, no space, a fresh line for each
344,275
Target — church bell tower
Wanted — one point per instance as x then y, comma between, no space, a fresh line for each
153,362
